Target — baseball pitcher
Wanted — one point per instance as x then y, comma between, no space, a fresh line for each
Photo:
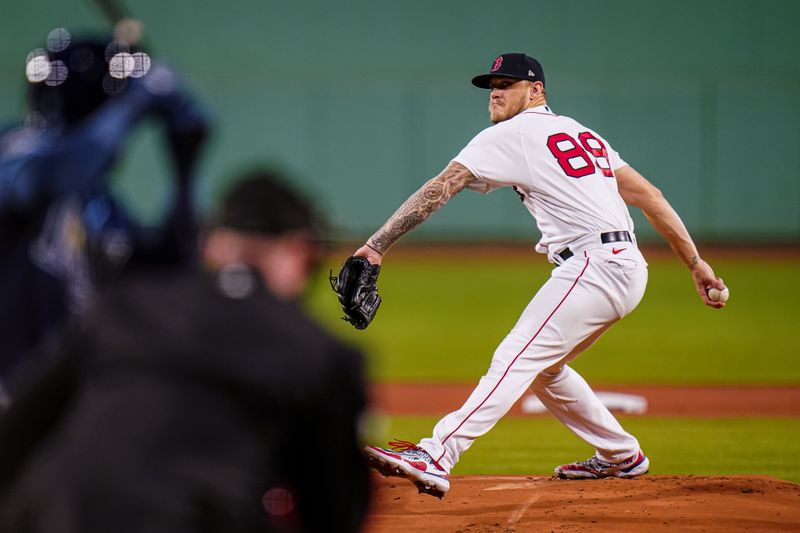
577,188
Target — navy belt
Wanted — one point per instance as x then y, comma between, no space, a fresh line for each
605,238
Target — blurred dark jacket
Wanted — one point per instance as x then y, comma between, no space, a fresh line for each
62,231
180,401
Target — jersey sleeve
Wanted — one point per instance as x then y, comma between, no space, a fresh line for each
614,159
496,158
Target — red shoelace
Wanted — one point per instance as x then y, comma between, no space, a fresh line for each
402,445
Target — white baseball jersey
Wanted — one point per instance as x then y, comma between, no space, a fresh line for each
563,170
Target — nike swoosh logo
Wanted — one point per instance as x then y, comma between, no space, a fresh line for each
615,251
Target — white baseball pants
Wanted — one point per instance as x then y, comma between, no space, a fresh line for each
583,297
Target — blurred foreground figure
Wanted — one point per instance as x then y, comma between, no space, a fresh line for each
62,232
185,398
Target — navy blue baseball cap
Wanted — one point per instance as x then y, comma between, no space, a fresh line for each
517,66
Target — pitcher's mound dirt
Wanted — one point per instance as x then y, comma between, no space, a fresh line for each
650,503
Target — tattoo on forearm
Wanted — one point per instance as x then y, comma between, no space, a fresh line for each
694,260
419,206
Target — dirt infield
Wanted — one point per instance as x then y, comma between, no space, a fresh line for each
652,503
700,401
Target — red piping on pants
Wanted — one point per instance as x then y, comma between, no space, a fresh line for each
517,356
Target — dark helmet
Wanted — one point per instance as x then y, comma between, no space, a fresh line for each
78,81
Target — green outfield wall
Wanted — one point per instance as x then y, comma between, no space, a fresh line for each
363,101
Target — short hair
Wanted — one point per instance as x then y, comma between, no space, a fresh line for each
260,202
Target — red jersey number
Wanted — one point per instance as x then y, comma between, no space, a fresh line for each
573,157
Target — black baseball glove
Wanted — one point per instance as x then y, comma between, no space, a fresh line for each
356,286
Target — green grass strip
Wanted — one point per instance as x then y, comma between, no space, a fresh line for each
534,446
441,320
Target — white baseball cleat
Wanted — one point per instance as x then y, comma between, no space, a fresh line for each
595,468
407,460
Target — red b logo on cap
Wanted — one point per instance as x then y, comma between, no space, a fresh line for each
497,62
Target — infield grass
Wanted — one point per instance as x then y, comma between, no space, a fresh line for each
441,320
675,446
